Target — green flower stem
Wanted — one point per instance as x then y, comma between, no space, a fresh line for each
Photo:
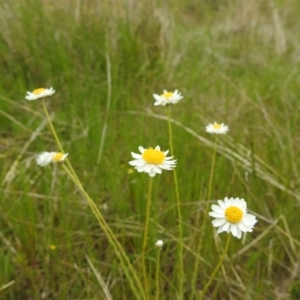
211,177
52,127
180,249
157,285
170,131
202,230
146,230
216,268
119,251
56,138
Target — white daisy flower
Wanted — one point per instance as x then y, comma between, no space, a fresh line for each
159,244
152,161
47,157
231,216
39,93
167,98
217,128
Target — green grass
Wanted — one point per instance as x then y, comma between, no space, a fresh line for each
234,62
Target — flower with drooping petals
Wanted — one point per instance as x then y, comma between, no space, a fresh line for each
217,128
47,157
167,98
152,161
231,216
39,93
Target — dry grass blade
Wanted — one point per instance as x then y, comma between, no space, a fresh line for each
10,175
11,118
100,280
255,241
108,101
5,286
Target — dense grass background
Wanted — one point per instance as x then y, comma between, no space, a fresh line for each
235,62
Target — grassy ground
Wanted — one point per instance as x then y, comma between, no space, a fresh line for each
235,62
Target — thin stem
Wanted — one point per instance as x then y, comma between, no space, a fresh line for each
212,170
217,267
108,101
170,131
56,138
119,251
157,285
146,230
202,230
180,249
52,127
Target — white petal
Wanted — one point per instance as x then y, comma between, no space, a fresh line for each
239,233
242,226
157,97
215,215
227,202
133,162
233,229
166,167
249,220
138,163
157,169
219,222
222,204
218,209
220,229
64,157
140,168
152,173
169,162
148,168
45,158
141,149
135,155
226,226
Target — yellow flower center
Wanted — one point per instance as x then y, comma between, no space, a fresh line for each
217,126
57,157
233,214
153,156
38,91
167,95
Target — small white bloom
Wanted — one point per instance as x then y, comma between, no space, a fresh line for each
39,93
47,157
152,161
159,244
217,128
231,216
167,98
